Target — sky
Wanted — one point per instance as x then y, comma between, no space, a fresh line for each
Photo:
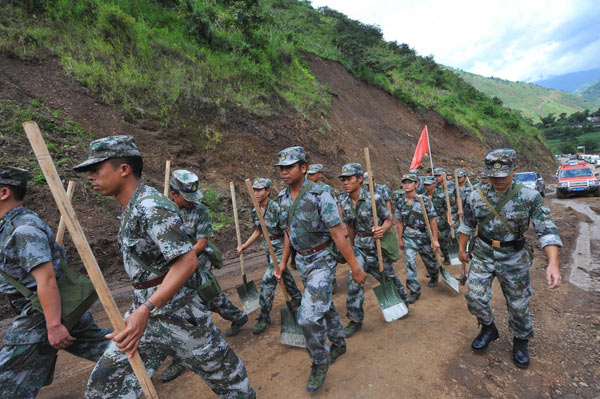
519,40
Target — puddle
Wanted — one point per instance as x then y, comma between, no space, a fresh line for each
585,262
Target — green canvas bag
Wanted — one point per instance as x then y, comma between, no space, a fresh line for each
389,241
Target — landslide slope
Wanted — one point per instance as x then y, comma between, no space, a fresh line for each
206,98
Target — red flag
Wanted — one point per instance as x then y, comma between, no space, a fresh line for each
422,149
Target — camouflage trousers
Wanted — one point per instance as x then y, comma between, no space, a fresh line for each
182,329
317,315
269,286
512,270
225,308
25,368
356,292
444,237
412,247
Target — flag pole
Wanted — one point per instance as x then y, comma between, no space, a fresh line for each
429,146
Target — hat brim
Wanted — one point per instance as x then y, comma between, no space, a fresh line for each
87,165
312,172
286,162
350,174
259,186
403,180
195,196
499,172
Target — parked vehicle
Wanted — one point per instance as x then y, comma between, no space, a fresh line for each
577,179
533,180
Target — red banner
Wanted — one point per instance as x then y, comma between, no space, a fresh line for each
422,149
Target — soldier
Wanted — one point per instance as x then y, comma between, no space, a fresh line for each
358,216
500,251
31,256
186,194
167,316
312,221
429,172
414,237
484,180
382,190
444,223
270,210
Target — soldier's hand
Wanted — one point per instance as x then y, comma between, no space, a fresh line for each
553,277
460,212
435,246
359,276
463,256
129,338
377,232
401,242
282,267
240,249
59,337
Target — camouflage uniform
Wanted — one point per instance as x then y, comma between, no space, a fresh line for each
27,359
152,238
269,282
509,264
416,238
316,212
441,207
365,248
464,193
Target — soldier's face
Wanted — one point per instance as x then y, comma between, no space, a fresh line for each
408,186
261,194
180,201
485,180
106,179
351,183
438,179
313,177
462,179
292,173
429,188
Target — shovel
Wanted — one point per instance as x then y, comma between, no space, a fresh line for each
453,245
166,187
247,291
463,277
389,300
447,278
60,232
291,333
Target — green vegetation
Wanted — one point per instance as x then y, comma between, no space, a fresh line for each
531,100
565,132
212,199
168,59
591,91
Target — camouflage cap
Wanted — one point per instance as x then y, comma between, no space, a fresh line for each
13,176
109,147
366,176
352,169
315,168
484,175
414,171
290,156
460,172
439,171
428,170
260,182
500,162
429,180
187,184
409,176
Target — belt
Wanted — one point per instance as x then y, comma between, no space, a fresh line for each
501,244
149,283
315,249
364,233
18,295
277,237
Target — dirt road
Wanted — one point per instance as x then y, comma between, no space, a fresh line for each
426,355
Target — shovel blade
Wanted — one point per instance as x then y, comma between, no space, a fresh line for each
389,300
453,252
449,279
291,333
248,296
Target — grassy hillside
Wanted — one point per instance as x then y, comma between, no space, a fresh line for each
531,100
590,91
169,59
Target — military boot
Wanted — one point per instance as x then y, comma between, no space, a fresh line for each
336,351
260,326
174,370
352,328
413,297
236,326
433,282
520,353
317,377
446,260
487,334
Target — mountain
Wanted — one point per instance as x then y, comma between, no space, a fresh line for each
531,100
570,81
589,91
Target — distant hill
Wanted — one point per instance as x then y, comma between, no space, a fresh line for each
589,91
531,100
570,81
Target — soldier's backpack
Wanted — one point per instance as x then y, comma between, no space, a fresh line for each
207,285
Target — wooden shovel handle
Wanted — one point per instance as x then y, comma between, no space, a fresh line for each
83,248
60,232
237,224
167,178
373,207
426,217
458,199
448,208
265,232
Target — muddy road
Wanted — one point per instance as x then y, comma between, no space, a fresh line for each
428,354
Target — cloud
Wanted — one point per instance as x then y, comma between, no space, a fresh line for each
512,39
